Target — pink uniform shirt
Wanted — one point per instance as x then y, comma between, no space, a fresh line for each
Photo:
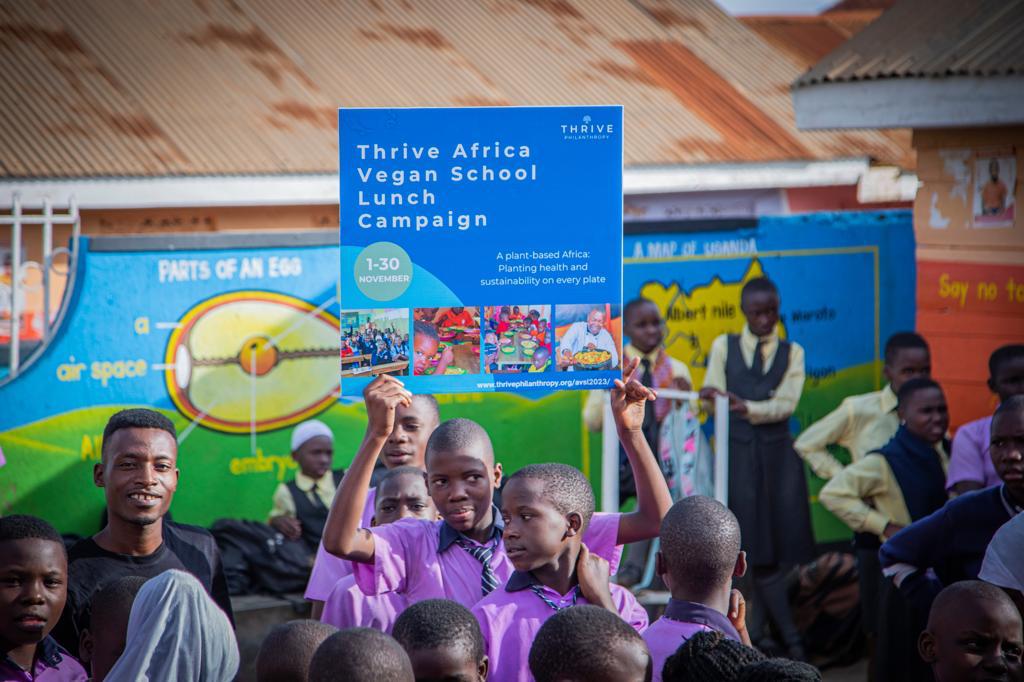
681,621
52,664
423,560
348,607
511,616
329,569
970,459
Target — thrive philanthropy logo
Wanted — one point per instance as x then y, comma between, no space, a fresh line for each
587,129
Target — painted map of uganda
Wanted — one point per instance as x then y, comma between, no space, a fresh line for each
696,318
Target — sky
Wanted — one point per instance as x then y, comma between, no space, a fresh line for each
775,6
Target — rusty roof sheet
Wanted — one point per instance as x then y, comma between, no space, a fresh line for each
806,38
207,87
859,5
931,38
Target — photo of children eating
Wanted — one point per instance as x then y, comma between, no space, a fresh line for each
517,338
375,342
446,341
589,337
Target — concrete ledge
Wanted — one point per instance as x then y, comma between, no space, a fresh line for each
255,616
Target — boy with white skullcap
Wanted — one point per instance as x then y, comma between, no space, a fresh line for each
301,506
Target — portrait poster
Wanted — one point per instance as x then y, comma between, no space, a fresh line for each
995,182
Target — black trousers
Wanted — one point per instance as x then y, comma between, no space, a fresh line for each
899,626
869,575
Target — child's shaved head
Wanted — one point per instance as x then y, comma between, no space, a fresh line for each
109,610
948,605
1012,405
565,487
461,436
406,470
634,306
25,527
758,285
901,341
360,655
287,651
443,640
700,542
1004,355
586,643
430,403
909,388
974,631
436,623
114,599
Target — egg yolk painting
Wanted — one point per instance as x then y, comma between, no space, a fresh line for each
253,361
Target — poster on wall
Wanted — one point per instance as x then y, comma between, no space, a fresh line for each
481,248
995,182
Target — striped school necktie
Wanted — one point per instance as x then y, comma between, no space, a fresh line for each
483,554
539,591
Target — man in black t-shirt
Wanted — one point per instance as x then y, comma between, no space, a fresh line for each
138,473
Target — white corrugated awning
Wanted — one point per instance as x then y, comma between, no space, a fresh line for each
322,188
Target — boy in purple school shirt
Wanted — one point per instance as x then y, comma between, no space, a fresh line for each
33,590
406,445
699,556
461,557
402,494
546,508
970,466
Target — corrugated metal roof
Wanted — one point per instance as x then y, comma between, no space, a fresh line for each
931,38
207,87
807,38
859,5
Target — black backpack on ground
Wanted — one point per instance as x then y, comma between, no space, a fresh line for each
827,610
259,560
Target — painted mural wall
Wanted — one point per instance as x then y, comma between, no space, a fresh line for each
236,343
846,281
234,337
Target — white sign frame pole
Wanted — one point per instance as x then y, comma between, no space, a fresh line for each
610,449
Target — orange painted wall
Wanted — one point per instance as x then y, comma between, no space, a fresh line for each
966,310
970,280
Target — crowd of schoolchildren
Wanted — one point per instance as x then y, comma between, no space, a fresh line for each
378,346
443,568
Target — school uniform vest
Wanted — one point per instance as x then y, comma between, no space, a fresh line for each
312,513
918,471
767,488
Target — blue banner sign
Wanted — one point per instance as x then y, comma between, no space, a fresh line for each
481,248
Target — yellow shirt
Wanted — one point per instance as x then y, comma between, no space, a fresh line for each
783,402
866,495
284,505
593,408
860,424
533,368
